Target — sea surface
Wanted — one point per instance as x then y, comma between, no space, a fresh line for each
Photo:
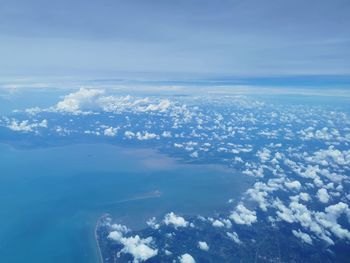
51,198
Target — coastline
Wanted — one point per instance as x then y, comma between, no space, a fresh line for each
96,237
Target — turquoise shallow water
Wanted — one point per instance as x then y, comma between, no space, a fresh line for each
51,198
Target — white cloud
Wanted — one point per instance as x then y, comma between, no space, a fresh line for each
153,223
259,197
322,224
303,236
146,136
334,211
323,195
218,223
227,223
129,134
176,221
82,100
43,124
140,248
111,131
203,245
234,237
329,219
163,105
293,185
120,228
20,126
243,216
305,197
332,155
284,212
166,134
194,154
186,258
259,172
33,111
87,100
26,126
264,154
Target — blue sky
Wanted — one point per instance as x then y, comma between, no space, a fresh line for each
175,38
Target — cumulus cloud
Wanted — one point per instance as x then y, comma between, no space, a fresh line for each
261,191
176,221
87,100
234,236
140,248
321,224
163,105
227,223
243,216
322,195
264,154
153,223
146,136
218,223
260,197
203,245
258,172
293,185
166,134
331,155
329,219
110,131
129,134
305,197
303,236
194,154
82,100
120,228
186,258
26,126
334,211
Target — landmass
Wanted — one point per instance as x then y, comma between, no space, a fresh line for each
205,240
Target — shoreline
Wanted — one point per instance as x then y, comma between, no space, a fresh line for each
96,237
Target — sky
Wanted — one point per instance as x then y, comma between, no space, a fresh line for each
175,38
